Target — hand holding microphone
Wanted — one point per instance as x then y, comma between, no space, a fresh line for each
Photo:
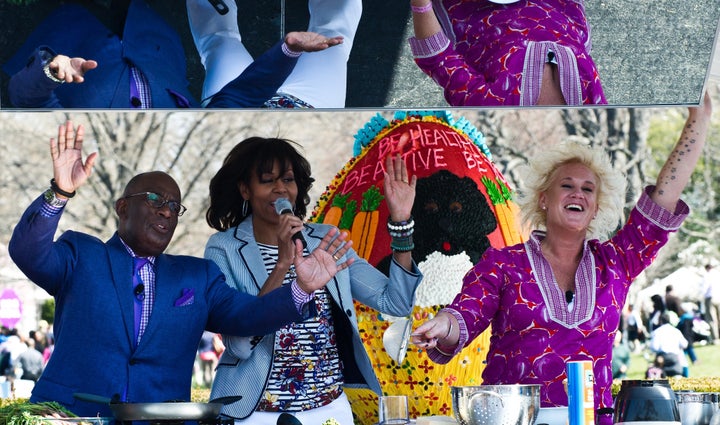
283,206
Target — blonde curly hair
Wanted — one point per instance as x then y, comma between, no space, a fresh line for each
537,175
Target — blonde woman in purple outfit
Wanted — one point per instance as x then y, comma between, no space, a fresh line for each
559,296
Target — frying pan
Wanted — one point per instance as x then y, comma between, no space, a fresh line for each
164,411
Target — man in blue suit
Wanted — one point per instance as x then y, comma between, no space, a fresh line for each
131,332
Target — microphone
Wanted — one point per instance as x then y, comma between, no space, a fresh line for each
139,289
569,295
283,206
288,419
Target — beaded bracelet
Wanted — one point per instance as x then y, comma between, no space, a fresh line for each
404,234
422,9
402,244
401,233
400,226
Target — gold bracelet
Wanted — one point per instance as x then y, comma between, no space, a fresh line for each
50,75
449,330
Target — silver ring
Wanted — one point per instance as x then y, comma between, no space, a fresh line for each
335,257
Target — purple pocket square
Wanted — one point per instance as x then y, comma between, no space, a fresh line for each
187,298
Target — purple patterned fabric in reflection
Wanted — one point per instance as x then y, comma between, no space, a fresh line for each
492,54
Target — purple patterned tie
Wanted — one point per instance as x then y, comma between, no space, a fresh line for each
139,294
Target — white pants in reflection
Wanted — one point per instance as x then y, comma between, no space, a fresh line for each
319,78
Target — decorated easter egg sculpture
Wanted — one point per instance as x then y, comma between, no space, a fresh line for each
463,205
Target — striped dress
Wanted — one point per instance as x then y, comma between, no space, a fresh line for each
306,370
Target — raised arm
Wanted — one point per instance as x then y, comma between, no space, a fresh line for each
399,197
31,246
679,166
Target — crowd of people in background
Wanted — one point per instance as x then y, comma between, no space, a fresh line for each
669,329
24,356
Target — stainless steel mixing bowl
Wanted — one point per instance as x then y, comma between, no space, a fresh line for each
496,404
696,408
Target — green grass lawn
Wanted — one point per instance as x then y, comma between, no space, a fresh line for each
708,364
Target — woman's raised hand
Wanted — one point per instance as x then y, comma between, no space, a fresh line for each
399,187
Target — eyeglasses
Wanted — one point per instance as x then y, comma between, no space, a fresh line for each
157,201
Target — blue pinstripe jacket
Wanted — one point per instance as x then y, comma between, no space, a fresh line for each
244,371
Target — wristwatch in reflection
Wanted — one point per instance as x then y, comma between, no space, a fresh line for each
46,56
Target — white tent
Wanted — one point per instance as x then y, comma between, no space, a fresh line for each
686,283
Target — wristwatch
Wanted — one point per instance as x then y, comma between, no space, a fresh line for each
53,200
51,75
46,56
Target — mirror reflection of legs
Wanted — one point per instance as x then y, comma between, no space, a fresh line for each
660,59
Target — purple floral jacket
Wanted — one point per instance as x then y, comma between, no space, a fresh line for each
534,333
492,54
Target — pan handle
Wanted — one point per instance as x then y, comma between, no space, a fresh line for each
227,400
92,398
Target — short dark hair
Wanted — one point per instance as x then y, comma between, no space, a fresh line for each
254,155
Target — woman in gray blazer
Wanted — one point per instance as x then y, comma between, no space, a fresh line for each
303,367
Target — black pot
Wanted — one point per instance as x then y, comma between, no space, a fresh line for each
646,401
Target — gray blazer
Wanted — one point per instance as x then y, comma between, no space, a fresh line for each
244,371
